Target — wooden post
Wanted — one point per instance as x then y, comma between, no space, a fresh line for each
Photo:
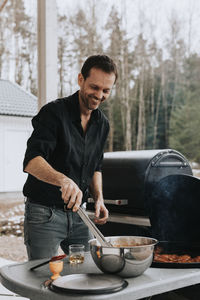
47,51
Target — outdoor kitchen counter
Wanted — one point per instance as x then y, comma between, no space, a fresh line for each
19,279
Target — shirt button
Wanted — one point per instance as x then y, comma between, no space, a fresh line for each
83,181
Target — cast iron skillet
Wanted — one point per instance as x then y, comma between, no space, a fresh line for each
179,248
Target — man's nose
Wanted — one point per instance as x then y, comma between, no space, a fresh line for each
99,95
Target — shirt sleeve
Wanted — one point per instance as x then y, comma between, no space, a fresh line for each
100,162
43,139
99,166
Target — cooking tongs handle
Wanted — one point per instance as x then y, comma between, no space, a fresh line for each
97,233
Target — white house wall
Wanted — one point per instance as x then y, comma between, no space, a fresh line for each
14,132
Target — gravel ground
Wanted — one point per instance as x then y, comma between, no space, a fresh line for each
12,248
11,227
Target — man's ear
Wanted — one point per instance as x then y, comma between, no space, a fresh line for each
80,79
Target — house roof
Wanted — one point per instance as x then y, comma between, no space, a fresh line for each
14,101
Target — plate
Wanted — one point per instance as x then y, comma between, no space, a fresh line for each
89,283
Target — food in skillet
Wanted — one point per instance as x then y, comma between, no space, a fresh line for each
173,258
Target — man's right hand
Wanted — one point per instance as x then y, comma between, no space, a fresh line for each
71,194
42,170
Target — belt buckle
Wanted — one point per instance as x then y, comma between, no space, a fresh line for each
65,207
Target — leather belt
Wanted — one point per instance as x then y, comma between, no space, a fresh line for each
62,206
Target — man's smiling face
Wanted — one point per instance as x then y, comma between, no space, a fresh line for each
96,88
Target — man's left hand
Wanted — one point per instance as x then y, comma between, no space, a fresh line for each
101,213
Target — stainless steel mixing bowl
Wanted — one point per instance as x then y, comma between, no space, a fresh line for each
130,256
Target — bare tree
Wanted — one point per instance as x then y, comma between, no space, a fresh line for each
177,50
2,5
140,53
113,27
62,49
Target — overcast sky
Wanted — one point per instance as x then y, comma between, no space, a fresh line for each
156,13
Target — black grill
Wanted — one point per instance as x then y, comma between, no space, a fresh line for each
131,175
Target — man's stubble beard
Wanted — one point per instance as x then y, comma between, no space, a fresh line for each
85,100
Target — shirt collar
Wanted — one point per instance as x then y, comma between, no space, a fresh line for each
75,110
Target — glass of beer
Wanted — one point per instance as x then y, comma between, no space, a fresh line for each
76,253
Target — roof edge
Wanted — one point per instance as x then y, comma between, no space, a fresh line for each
21,88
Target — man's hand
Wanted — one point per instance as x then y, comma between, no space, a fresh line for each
71,194
101,213
42,170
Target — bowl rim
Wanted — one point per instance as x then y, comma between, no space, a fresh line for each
154,241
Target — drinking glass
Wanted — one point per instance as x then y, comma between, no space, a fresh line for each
76,253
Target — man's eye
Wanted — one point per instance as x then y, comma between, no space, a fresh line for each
106,91
94,88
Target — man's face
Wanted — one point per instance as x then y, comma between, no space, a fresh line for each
95,89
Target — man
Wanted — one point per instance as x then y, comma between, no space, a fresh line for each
63,159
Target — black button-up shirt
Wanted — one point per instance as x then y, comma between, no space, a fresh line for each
59,138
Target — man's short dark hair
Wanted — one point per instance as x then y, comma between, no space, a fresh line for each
102,62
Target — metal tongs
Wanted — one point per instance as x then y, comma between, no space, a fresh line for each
97,233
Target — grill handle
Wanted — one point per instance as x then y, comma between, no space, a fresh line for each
172,164
117,202
158,161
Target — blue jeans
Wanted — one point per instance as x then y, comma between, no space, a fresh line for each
46,228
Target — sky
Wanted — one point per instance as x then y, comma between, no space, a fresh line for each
153,15
155,12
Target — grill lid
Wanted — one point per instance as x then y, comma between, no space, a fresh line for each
129,175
